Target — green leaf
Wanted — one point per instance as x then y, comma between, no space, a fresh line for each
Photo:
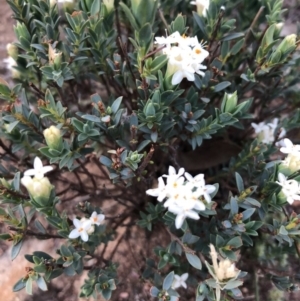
235,242
168,281
129,15
29,286
194,260
221,86
42,283
233,284
105,161
39,226
239,182
16,249
116,104
232,36
158,62
19,285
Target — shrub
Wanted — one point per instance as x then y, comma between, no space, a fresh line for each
184,106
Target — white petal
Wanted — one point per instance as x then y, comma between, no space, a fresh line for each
86,225
183,284
37,163
181,171
188,176
199,206
47,169
281,178
153,192
30,172
74,234
84,236
76,223
177,77
184,276
172,171
192,214
179,220
190,76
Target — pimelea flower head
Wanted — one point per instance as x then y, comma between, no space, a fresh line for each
38,170
265,131
185,57
202,6
183,197
53,137
82,228
291,163
223,273
290,188
180,281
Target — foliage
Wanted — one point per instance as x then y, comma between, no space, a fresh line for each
125,88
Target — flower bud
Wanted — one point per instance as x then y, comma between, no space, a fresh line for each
53,137
54,57
12,51
39,189
288,44
229,102
91,229
109,4
202,6
290,165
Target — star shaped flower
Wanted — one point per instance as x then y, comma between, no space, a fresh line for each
81,229
180,281
96,218
290,188
38,169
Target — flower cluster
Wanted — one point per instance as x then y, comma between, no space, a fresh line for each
39,186
184,196
290,188
185,56
292,161
86,226
265,131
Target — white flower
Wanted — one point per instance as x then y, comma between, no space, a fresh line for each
290,188
265,131
97,219
202,189
38,169
10,63
160,192
202,6
185,55
172,172
290,148
81,229
183,211
180,281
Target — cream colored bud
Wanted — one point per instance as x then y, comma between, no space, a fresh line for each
53,137
38,188
109,4
91,229
292,162
288,43
12,51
